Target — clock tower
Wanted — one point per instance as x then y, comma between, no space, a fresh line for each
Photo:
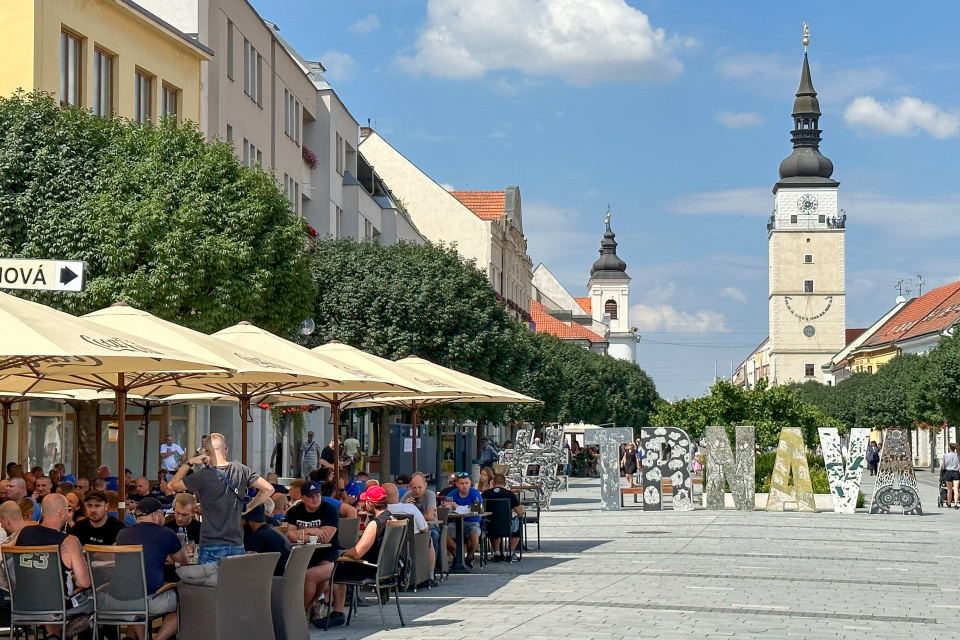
807,289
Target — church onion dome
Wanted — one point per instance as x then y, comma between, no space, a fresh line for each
608,265
806,166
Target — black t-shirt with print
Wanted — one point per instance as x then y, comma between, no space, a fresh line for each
326,515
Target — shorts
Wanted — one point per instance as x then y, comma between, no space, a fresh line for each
514,527
471,526
158,604
951,475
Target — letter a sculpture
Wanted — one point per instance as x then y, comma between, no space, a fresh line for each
791,457
896,483
738,470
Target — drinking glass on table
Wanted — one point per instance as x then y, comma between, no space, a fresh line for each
300,535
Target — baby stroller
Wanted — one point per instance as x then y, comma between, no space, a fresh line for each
942,495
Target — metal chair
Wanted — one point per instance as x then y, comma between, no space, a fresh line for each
348,532
120,584
386,572
289,623
528,519
38,594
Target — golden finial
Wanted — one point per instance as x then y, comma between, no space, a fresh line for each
608,215
806,36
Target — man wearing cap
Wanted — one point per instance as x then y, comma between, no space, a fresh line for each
259,537
98,527
314,517
159,543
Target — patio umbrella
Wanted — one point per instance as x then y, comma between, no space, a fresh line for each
45,350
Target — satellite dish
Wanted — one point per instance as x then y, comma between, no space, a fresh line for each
307,327
901,299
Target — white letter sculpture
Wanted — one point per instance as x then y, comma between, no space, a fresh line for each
844,466
739,470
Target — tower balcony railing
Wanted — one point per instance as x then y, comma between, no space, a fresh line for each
803,223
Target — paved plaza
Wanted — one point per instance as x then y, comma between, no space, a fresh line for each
701,574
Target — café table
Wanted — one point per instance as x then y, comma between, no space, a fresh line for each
458,566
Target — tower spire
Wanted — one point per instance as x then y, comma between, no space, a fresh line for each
609,264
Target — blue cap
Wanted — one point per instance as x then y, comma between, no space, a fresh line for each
310,488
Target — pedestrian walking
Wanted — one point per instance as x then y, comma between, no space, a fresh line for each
951,476
629,463
873,458
310,456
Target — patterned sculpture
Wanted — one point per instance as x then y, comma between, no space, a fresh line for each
791,457
738,470
896,483
544,459
609,441
666,454
844,466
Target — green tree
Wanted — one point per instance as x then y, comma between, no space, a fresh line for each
944,378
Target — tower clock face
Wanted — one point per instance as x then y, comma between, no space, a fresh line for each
810,308
807,203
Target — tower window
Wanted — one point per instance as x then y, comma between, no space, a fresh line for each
793,219
610,308
808,370
808,286
808,258
822,219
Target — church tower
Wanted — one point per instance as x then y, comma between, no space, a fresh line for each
807,291
609,290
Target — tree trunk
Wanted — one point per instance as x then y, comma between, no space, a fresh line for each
383,436
87,412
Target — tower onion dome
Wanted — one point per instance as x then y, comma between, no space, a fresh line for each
609,265
806,165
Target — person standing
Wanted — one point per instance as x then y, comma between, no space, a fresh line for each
489,454
221,487
309,456
328,456
873,457
170,456
629,463
351,455
951,476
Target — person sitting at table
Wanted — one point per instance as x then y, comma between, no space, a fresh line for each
260,537
314,517
274,479
11,520
343,489
465,496
83,486
74,565
358,486
159,543
367,550
451,485
104,473
500,492
185,517
397,507
75,500
295,496
280,505
97,527
426,501
403,484
345,510
17,491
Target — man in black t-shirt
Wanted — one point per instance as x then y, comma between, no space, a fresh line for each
97,527
314,518
259,537
500,492
328,456
184,517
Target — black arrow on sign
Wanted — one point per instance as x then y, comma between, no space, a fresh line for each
66,275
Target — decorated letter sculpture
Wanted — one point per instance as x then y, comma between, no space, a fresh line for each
844,466
738,470
896,483
545,459
791,457
609,441
666,454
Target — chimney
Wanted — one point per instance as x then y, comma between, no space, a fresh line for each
366,131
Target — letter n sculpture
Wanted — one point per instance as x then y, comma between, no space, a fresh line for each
896,483
666,455
791,457
738,470
608,440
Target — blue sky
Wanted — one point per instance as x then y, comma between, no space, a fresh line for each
677,114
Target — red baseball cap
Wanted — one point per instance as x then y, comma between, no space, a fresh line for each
374,494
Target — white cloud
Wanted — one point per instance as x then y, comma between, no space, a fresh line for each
733,294
733,120
664,317
741,202
339,66
582,41
366,24
903,117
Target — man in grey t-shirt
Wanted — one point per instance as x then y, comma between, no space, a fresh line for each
221,488
426,501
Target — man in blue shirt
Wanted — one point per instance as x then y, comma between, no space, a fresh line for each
326,493
358,486
465,496
159,543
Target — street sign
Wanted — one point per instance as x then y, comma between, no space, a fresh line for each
43,275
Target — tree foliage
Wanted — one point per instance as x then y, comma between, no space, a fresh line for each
944,377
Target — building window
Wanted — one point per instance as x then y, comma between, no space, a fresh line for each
292,189
229,50
808,370
793,219
168,101
70,69
339,152
252,72
808,258
141,97
610,308
808,286
339,221
822,219
367,229
102,84
229,134
251,155
291,116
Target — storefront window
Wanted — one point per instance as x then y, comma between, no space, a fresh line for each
49,436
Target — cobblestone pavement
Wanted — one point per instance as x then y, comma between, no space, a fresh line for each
701,574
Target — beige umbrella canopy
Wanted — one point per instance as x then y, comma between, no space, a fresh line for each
45,350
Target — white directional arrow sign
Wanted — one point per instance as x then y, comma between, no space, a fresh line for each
43,275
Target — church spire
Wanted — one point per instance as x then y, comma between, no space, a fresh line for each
609,265
806,165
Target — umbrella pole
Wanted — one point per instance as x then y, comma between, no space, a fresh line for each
414,427
7,421
244,412
121,392
335,414
146,434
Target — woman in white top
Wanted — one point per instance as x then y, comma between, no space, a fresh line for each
951,476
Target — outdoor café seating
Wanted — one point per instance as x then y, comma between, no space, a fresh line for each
289,623
348,532
497,525
416,548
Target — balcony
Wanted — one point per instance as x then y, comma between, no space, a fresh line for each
804,223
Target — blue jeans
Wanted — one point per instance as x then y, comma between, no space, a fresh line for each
211,553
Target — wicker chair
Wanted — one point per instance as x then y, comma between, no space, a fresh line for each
443,559
416,548
289,622
238,607
348,532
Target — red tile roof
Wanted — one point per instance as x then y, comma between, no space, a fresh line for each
585,304
487,205
930,313
853,334
545,323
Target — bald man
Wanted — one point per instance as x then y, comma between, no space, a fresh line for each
11,519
